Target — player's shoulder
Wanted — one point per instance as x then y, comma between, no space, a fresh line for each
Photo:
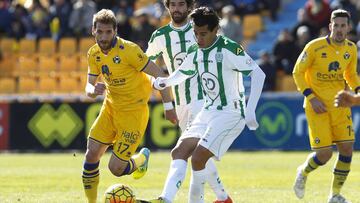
192,48
93,51
232,46
160,31
350,44
318,43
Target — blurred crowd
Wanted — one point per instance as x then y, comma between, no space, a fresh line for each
137,19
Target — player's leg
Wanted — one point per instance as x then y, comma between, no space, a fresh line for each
341,170
90,175
101,136
131,126
320,140
344,138
178,165
213,179
222,129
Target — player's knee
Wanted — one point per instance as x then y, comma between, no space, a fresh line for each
92,156
324,155
179,153
116,170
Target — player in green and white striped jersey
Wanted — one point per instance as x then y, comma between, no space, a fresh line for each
218,61
172,42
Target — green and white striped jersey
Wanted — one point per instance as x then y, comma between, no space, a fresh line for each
172,43
219,67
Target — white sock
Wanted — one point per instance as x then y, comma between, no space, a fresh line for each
214,180
174,179
196,191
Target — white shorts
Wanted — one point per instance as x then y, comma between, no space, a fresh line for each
187,113
216,130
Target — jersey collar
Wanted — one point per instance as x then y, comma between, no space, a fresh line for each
184,27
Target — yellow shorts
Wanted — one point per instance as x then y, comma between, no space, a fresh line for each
123,129
331,127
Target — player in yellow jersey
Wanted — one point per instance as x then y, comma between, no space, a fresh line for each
124,114
320,72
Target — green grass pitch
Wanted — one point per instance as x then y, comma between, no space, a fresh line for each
251,177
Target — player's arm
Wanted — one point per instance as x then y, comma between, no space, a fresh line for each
156,72
350,74
303,62
93,88
247,66
347,99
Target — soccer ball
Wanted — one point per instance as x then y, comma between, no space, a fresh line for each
119,193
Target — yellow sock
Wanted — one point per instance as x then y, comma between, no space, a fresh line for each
341,171
90,180
311,164
138,159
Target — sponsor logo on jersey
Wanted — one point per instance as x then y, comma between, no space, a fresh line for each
346,55
98,59
323,55
323,46
184,41
116,59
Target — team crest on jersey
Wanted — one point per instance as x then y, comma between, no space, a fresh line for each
116,59
346,55
219,57
317,140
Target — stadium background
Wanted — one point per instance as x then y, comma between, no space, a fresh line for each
43,66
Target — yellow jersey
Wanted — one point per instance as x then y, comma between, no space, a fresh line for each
127,87
323,67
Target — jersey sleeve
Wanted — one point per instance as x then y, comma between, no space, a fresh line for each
137,58
188,67
241,62
153,51
92,67
350,74
303,62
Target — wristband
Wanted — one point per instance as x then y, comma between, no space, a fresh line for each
168,106
90,88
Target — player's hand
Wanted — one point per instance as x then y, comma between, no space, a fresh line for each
159,83
171,116
250,120
344,99
99,88
317,105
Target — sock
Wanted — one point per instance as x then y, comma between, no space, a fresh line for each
138,160
196,191
214,180
311,164
174,179
130,167
90,179
341,171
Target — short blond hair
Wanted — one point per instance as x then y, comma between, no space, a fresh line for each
105,16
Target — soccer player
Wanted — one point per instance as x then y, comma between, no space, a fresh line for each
347,99
172,42
218,61
124,115
319,74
